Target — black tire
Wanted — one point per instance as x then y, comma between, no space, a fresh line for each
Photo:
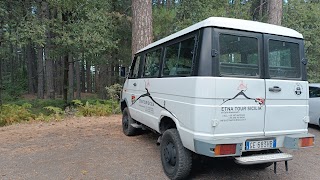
176,159
128,130
260,166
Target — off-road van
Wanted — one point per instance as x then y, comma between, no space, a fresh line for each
221,88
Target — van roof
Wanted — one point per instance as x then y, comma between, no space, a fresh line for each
230,23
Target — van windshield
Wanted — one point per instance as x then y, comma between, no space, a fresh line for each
283,58
238,55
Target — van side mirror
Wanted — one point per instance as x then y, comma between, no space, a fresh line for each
123,71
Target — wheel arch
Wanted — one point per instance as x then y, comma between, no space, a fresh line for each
123,104
185,134
166,123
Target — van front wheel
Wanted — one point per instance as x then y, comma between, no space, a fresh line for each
176,159
128,130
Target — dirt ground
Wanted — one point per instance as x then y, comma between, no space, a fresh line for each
95,148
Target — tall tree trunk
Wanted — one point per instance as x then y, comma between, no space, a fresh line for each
65,78
40,67
141,24
83,76
88,76
49,76
40,72
66,65
30,68
0,77
59,71
71,77
113,80
12,64
78,80
1,39
275,12
97,79
49,61
105,79
34,70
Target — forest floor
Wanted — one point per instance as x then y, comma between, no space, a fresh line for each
95,148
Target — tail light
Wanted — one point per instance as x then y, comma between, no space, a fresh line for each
225,149
305,142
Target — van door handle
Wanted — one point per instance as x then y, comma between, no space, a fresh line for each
134,84
275,89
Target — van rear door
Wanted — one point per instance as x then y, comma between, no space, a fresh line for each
240,88
286,92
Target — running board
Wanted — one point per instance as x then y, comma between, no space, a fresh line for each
263,158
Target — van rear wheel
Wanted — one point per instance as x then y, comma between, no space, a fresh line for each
176,159
127,128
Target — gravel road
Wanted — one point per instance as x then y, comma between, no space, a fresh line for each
95,148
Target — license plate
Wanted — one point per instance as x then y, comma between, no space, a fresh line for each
262,144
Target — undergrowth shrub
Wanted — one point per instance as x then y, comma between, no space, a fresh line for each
12,113
114,92
48,110
39,104
57,113
92,109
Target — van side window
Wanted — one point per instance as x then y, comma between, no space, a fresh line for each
178,58
152,63
239,55
135,68
283,59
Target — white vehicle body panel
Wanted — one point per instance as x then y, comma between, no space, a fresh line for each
314,104
314,107
196,110
283,109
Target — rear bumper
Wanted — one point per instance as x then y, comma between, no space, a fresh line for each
292,141
207,147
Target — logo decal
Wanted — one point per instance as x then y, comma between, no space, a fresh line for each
298,89
243,87
147,94
133,98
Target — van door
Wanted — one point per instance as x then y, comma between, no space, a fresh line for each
131,88
286,92
148,99
240,90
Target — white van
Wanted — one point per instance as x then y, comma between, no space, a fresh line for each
221,88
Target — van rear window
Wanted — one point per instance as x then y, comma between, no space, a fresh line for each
284,59
239,55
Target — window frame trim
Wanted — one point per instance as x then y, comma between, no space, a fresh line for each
133,63
193,35
266,39
144,61
216,46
